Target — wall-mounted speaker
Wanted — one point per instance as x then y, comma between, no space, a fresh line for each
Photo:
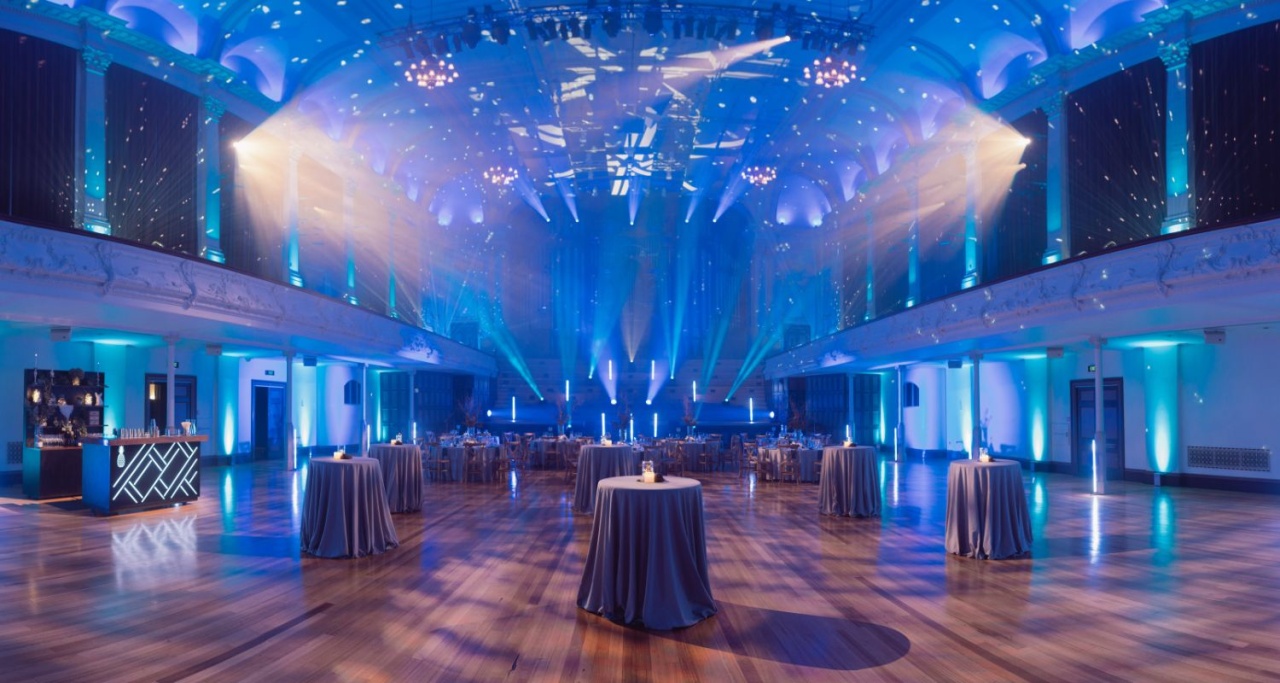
60,333
1054,352
1215,336
955,364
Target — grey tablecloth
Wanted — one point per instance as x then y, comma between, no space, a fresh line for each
647,562
402,475
596,463
987,514
806,457
458,461
850,482
344,510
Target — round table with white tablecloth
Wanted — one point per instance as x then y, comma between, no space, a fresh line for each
850,483
401,473
344,509
987,514
647,561
596,462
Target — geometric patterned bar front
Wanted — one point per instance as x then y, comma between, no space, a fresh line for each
131,476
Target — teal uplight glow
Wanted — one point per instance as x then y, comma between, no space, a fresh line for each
513,408
655,425
1160,379
228,427
751,410
1037,401
604,431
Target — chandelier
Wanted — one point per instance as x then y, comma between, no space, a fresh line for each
502,176
759,175
431,73
830,73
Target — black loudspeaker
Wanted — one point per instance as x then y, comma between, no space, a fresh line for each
309,361
955,364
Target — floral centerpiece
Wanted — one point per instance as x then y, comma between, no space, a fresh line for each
690,415
470,408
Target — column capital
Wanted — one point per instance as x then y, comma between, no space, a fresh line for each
1054,104
1175,54
214,108
95,60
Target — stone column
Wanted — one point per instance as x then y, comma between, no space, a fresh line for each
976,441
209,181
91,139
1099,424
168,383
1057,199
1179,152
290,438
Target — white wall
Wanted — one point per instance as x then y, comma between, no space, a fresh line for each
925,424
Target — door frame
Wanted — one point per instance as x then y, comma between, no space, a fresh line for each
254,385
1115,468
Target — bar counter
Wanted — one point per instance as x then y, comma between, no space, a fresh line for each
138,473
51,472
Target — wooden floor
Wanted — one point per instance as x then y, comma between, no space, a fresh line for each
1143,584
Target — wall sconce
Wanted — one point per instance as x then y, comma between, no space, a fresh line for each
151,391
35,395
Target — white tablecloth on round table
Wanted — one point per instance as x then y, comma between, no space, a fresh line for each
647,562
596,463
987,514
344,510
806,458
850,483
401,473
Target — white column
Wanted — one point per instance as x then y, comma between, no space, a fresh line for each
1179,210
972,196
900,434
976,441
1099,427
91,139
1057,202
168,380
209,181
215,425
290,443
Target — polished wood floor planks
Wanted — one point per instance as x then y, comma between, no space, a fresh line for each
1141,584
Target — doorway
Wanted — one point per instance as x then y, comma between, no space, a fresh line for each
1082,426
268,420
156,407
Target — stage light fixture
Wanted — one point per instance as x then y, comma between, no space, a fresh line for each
471,29
532,27
653,18
612,22
501,31
764,27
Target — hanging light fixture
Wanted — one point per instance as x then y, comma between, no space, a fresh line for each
501,176
431,73
759,175
831,72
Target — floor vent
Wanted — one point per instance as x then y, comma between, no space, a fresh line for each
1216,458
13,454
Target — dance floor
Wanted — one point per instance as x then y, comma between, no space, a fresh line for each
1143,584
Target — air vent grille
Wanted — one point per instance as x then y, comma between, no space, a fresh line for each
13,454
1219,458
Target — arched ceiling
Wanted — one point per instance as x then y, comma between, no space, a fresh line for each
577,115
